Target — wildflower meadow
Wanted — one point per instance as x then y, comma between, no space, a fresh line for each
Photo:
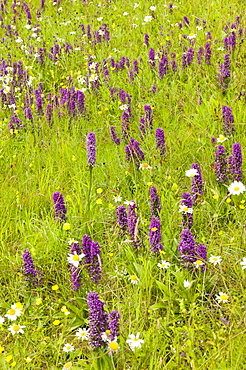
123,186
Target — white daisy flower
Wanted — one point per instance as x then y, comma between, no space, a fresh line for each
13,313
93,77
215,260
123,107
1,320
191,172
72,241
198,263
187,283
129,202
68,365
148,18
134,279
163,265
106,336
243,263
222,297
134,341
68,347
145,166
236,188
192,36
117,199
221,139
185,209
113,346
83,334
75,259
16,329
153,8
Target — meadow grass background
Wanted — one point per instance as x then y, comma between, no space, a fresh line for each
44,157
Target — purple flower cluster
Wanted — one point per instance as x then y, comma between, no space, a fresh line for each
163,66
228,120
113,135
134,152
98,319
132,222
187,217
221,165
208,53
201,252
189,252
59,206
113,324
197,183
146,39
91,148
76,277
122,218
92,258
148,116
32,275
225,72
125,119
15,123
160,141
155,204
235,162
152,57
230,42
155,235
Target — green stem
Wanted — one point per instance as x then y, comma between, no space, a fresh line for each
88,207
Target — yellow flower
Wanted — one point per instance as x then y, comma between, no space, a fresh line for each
215,196
13,364
8,358
111,254
113,346
56,322
241,206
154,229
66,226
99,190
220,232
55,287
28,359
19,306
1,349
149,183
242,201
99,112
73,158
99,201
228,200
68,365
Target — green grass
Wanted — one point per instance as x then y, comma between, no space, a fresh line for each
181,327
